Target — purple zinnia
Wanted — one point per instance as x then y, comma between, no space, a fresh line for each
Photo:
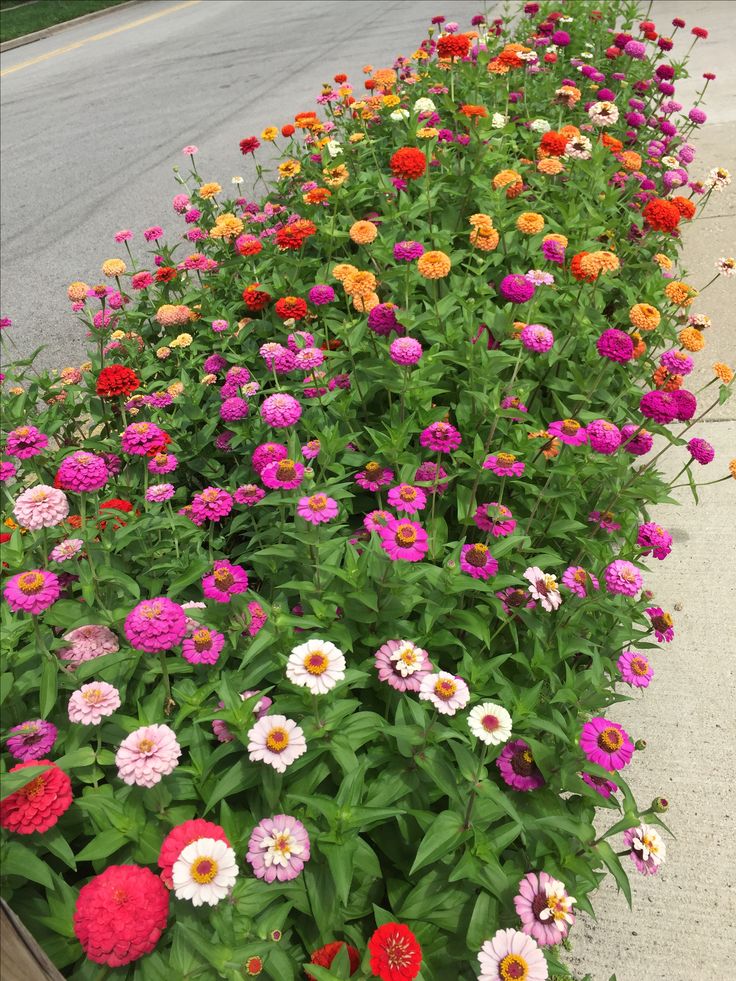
701,451
408,251
516,288
616,345
32,740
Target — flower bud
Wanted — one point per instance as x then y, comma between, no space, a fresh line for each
660,805
640,744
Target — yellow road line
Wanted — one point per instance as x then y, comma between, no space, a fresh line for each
97,37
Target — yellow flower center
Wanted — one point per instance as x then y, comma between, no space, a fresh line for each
204,870
145,746
316,663
277,740
223,578
150,611
513,967
640,666
505,459
570,427
445,688
373,470
33,789
610,740
93,696
286,470
405,535
476,556
318,502
202,640
31,583
407,493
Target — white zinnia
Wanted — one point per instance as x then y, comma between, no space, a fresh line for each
398,115
490,723
543,587
498,120
317,665
603,113
649,845
424,105
540,126
204,872
334,148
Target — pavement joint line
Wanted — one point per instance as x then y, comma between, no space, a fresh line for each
98,37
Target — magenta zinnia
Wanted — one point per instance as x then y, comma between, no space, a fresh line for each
606,743
404,539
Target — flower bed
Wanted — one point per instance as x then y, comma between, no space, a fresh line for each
323,575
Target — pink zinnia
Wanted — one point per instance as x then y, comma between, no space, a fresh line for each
83,472
311,449
41,507
225,581
504,465
374,476
93,702
280,411
268,453
211,504
603,436
624,578
377,519
203,647
152,233
163,463
569,431
140,438
33,591
31,740
8,470
477,561
635,669
147,755
578,580
258,619
496,518
543,587
124,235
26,441
648,851
685,404
701,451
440,437
248,494
285,475
405,351
537,338
159,493
636,440
544,908
155,625
604,520
517,767
407,498
404,539
233,409
514,598
141,280
510,953
277,741
317,509
601,786
653,538
677,362
88,642
616,345
659,406
606,743
278,848
447,692
402,665
661,624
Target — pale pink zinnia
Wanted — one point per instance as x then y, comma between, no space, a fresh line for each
41,507
88,642
147,755
278,848
276,740
93,702
543,587
66,549
511,954
445,691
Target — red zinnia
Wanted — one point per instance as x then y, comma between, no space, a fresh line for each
554,143
121,914
699,32
116,379
249,246
685,207
661,215
287,130
166,273
182,835
291,308
249,145
408,163
324,956
453,46
294,236
395,953
254,298
577,270
40,804
115,504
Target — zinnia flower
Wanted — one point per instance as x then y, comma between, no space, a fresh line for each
635,669
278,848
147,755
623,577
504,465
517,767
648,850
121,914
543,587
404,539
317,665
93,702
277,741
32,592
83,473
544,908
38,805
155,625
395,953
606,743
477,561
317,509
440,437
225,581
204,872
490,723
402,664
203,647
407,498
511,954
31,740
374,476
661,624
41,507
447,692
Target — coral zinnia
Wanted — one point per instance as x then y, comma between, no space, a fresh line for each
408,163
395,953
40,803
121,914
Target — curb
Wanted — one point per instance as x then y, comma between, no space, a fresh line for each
18,42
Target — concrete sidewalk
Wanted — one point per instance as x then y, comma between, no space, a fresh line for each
683,926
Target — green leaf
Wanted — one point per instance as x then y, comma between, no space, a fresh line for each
443,837
103,845
612,862
10,782
49,686
21,861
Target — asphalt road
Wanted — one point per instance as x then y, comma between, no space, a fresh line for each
89,135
